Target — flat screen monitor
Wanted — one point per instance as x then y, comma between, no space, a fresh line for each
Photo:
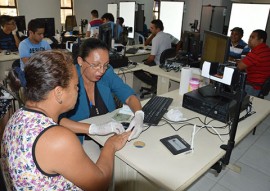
192,44
215,47
105,33
49,27
20,22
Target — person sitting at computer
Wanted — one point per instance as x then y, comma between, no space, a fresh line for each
34,42
38,153
160,42
9,39
93,26
238,47
98,84
256,62
108,17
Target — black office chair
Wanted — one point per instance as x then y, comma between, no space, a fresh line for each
151,79
168,53
263,92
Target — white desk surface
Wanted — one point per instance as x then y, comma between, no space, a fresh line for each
176,172
12,56
130,68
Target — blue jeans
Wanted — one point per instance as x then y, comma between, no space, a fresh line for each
251,91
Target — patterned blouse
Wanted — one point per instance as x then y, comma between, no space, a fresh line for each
18,153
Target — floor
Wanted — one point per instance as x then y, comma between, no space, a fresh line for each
252,155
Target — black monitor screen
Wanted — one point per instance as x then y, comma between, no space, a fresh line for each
215,47
192,44
105,33
49,27
20,22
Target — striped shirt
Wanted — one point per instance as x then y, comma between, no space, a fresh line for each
240,49
258,65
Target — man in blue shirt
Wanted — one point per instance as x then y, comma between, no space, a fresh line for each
237,46
34,42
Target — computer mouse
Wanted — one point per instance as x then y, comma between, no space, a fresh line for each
7,52
141,48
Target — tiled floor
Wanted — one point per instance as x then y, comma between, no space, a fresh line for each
252,155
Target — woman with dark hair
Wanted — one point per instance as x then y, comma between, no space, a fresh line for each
40,154
98,84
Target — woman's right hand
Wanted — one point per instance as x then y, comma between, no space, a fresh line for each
118,141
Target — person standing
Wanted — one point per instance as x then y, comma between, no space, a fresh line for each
34,42
93,26
256,63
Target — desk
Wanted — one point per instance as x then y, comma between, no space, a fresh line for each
140,55
6,62
154,168
164,78
126,73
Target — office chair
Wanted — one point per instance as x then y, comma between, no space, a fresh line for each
263,92
168,53
138,38
151,79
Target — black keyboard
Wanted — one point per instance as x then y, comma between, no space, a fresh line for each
132,51
155,108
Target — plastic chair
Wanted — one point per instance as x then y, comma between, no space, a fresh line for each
138,38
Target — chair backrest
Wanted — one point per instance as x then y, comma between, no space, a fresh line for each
168,53
265,88
138,38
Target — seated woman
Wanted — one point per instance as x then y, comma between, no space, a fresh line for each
97,85
38,153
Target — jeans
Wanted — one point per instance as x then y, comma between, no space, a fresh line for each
251,91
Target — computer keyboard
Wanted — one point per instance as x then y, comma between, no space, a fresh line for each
132,51
155,108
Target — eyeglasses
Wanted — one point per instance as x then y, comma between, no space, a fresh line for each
98,66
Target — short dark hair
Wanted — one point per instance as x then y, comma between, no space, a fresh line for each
46,70
35,24
261,34
89,45
94,13
5,19
238,30
108,16
158,23
121,20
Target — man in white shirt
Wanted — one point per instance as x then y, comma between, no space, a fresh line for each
160,42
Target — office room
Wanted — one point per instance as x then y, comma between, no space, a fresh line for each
146,163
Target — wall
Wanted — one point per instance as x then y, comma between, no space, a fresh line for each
40,9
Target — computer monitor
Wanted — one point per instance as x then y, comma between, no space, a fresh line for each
20,22
49,27
70,22
191,44
106,33
215,47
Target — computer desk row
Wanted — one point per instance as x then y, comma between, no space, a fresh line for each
153,167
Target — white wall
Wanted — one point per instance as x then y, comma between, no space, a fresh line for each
32,9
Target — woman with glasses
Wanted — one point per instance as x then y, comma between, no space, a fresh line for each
8,37
39,154
97,86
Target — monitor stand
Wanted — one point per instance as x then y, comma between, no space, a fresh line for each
208,91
